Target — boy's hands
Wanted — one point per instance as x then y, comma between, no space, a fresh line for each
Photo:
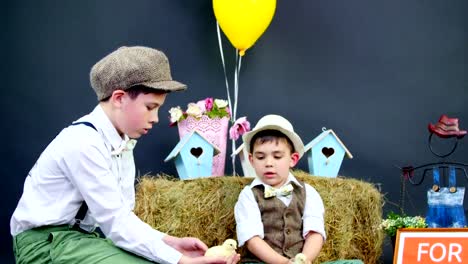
189,246
193,250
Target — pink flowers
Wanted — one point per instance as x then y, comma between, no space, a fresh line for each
240,127
209,103
213,108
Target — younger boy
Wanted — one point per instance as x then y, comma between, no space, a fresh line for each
85,177
278,216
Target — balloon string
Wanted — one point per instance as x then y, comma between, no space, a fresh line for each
224,69
233,157
236,79
233,113
236,87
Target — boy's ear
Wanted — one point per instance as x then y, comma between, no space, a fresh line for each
117,97
250,158
294,159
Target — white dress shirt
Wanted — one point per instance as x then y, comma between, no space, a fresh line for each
98,167
249,220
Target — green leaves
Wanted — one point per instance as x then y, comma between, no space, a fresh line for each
216,112
394,221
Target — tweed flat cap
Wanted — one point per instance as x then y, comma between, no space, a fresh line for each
131,66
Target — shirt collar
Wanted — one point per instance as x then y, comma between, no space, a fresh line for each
103,123
291,178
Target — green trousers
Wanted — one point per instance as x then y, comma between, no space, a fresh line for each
61,245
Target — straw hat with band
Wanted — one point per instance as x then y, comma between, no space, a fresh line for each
131,66
279,123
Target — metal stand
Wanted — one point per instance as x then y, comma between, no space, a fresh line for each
408,172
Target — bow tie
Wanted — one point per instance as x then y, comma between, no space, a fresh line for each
283,191
126,145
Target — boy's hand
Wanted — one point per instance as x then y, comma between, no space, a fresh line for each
189,246
193,250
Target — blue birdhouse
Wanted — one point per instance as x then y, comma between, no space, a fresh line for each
325,154
193,156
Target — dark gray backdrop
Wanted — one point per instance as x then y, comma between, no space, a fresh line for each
377,72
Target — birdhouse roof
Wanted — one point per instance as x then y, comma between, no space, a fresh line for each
324,134
184,141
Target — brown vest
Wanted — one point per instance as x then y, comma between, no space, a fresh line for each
282,225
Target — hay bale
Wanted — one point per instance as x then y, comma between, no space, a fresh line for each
204,208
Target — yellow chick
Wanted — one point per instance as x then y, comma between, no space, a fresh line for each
300,259
228,248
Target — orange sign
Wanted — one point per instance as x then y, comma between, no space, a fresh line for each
431,245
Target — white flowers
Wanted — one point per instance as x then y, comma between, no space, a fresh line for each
220,103
395,221
176,113
194,110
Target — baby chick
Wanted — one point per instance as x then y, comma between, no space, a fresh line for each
300,259
228,248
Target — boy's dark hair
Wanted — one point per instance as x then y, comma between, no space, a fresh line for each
270,135
136,90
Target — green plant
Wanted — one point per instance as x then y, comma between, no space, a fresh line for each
394,221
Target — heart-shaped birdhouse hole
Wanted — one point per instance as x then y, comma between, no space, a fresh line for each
328,152
196,152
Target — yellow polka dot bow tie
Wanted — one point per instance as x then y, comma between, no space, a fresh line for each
125,145
283,191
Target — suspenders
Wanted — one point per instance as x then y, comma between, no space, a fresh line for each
84,207
85,123
452,179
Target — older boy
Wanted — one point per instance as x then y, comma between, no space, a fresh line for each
85,176
278,216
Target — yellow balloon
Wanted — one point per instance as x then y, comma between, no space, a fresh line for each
244,21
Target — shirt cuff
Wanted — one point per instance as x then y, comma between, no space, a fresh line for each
314,226
163,252
248,231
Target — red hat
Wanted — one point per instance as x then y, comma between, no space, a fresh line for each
447,128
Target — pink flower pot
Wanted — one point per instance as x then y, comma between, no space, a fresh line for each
215,130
